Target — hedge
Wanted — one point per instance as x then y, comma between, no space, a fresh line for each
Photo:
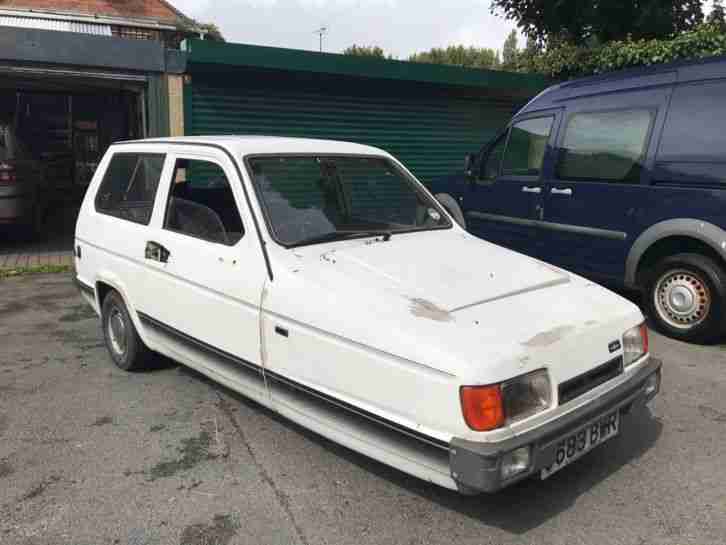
568,61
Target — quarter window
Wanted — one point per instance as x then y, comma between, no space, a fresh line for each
526,147
128,188
201,203
608,146
493,164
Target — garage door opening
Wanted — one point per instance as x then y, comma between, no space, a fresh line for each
55,129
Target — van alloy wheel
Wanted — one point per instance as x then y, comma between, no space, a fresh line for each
682,299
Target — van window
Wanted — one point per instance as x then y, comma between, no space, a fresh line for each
526,147
201,203
607,146
693,146
128,188
493,164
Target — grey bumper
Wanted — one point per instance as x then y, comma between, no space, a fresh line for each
476,466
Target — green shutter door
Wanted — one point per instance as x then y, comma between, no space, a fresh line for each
429,129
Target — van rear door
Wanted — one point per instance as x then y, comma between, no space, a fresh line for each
597,186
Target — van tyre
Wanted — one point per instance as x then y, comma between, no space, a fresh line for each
452,207
126,348
685,296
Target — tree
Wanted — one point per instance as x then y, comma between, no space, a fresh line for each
584,22
717,16
210,30
366,51
510,52
458,55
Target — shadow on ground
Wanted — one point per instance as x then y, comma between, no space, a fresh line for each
519,509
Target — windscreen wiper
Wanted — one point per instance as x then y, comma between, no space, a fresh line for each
343,235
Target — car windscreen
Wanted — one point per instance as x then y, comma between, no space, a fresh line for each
310,199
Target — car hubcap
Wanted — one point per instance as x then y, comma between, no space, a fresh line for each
117,332
682,299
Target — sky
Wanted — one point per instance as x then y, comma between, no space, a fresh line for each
400,27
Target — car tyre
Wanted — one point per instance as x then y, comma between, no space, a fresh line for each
452,207
126,348
686,296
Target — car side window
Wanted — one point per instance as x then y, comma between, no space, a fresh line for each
493,163
129,185
605,146
201,203
526,147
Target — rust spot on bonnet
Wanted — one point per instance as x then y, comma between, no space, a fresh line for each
426,309
547,338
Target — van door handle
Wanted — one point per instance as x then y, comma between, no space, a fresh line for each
536,190
156,252
567,192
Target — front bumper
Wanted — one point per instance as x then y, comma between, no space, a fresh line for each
476,467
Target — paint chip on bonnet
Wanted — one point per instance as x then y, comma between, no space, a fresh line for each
549,337
426,309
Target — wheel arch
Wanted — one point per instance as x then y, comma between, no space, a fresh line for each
107,282
672,237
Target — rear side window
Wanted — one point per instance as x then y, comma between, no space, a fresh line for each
605,146
128,188
201,203
693,145
526,147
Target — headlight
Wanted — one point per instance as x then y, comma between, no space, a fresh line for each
526,395
487,408
635,344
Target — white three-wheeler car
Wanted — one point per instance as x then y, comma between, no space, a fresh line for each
322,280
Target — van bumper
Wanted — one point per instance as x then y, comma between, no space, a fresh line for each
477,467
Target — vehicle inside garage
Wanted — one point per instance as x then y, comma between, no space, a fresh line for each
56,126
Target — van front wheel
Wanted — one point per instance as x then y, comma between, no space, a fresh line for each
685,297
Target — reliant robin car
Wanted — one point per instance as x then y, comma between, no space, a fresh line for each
322,280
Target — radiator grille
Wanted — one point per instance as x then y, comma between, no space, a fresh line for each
582,384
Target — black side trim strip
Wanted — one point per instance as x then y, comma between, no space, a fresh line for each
274,377
239,174
284,381
84,288
196,343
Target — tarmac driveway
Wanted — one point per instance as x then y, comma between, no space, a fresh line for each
92,455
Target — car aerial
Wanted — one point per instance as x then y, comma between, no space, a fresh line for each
322,280
620,178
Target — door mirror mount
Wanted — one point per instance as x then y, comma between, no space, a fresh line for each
469,162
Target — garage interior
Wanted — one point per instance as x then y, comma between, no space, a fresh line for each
65,121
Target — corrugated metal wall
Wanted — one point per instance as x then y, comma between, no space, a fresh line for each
54,24
429,128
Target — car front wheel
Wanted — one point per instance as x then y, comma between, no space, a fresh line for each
685,297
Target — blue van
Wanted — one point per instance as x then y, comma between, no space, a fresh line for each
620,178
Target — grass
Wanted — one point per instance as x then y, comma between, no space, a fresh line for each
41,269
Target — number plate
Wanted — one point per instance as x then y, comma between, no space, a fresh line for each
582,441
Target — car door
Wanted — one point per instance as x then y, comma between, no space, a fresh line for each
206,271
504,200
597,186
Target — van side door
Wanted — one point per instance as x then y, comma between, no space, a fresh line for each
205,269
504,201
598,185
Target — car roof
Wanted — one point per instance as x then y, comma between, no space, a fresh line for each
253,145
632,78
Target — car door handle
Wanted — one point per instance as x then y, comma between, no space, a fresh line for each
156,252
536,190
567,192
